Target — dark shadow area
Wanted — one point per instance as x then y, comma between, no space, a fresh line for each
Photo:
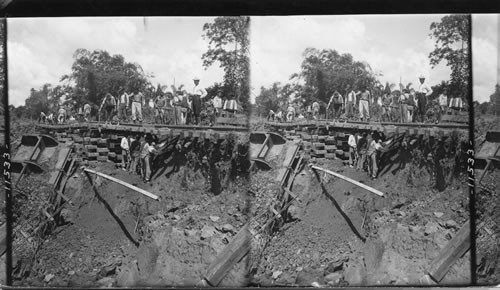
337,206
110,210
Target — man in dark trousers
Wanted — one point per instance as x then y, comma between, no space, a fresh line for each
198,94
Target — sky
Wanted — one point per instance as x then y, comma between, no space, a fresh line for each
40,50
485,62
395,45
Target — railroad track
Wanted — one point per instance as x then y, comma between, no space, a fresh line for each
353,124
156,129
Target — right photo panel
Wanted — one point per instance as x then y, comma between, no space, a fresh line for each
360,128
486,96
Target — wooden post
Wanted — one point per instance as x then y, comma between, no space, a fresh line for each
142,191
371,189
232,253
451,253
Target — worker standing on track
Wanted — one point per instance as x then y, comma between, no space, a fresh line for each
42,118
137,102
198,94
109,104
364,105
123,106
336,100
443,103
350,101
423,92
290,115
315,109
61,118
217,102
87,109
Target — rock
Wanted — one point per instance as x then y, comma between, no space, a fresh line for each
451,224
67,215
373,252
276,274
207,232
176,217
438,214
106,282
333,277
294,212
214,218
48,277
430,228
354,275
299,269
128,275
190,233
227,228
107,270
71,273
315,284
334,266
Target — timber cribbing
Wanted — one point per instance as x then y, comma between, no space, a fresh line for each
328,139
101,142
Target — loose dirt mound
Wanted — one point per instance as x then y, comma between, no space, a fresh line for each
122,238
404,231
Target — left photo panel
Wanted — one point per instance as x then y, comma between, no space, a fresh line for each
3,160
129,143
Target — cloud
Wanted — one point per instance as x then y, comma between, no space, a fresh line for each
278,43
484,68
41,49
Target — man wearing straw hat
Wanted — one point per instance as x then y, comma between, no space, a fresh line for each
198,94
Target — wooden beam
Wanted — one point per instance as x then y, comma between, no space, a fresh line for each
140,190
230,255
371,189
456,248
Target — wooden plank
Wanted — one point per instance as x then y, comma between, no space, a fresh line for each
140,190
230,255
456,248
371,189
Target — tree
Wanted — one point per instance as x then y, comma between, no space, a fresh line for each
228,45
97,73
326,71
452,45
38,101
495,101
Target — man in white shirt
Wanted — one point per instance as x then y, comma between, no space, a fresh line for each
443,102
315,108
217,102
198,94
123,106
423,92
137,102
350,101
125,145
352,142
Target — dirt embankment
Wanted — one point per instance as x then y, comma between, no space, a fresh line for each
114,236
340,234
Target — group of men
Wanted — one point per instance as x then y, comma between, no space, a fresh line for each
364,152
167,107
137,155
406,105
162,107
